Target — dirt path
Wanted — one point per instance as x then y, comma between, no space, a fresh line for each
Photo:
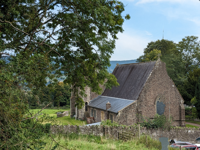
194,124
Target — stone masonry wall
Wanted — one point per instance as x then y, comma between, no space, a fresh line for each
85,99
90,96
98,114
127,116
182,134
160,85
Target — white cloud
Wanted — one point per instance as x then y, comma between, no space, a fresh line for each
195,20
130,45
148,33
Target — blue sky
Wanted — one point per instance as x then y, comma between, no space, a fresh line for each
178,18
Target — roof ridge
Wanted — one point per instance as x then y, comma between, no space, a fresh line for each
118,98
135,63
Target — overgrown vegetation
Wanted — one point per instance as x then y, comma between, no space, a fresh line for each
91,142
108,122
159,121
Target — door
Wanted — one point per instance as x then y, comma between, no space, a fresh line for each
102,115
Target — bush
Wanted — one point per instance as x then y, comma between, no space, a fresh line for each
194,112
188,111
109,123
149,142
189,117
159,121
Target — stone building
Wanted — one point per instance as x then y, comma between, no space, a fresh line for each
79,113
145,89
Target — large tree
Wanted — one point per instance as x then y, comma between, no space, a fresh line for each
165,46
52,38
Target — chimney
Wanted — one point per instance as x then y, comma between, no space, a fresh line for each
108,105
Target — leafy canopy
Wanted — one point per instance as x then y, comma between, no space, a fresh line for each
52,38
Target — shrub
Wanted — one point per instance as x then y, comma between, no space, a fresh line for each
109,123
159,121
194,112
188,111
149,142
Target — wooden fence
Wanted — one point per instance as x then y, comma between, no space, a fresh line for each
124,136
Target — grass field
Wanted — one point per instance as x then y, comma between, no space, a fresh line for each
52,117
197,122
90,142
191,126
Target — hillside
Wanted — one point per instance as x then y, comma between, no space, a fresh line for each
110,69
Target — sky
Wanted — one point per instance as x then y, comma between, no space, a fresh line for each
149,18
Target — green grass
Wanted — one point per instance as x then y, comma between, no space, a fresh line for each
91,142
191,126
66,120
48,111
196,122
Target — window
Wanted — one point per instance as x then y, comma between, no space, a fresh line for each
160,106
102,115
86,106
111,118
94,113
91,113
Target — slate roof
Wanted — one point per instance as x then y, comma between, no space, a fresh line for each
131,79
117,104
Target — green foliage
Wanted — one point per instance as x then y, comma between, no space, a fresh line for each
188,111
182,63
193,101
90,142
197,95
59,94
191,126
50,116
109,123
149,142
54,39
151,56
194,112
163,45
159,121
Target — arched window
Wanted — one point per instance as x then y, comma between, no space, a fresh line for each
86,106
160,106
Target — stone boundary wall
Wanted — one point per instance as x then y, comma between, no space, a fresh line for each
181,134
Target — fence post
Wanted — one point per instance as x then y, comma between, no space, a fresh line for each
139,131
180,148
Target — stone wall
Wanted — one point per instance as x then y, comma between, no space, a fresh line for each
127,116
182,134
98,114
159,87
85,99
90,96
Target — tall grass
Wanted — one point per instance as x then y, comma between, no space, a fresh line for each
91,142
